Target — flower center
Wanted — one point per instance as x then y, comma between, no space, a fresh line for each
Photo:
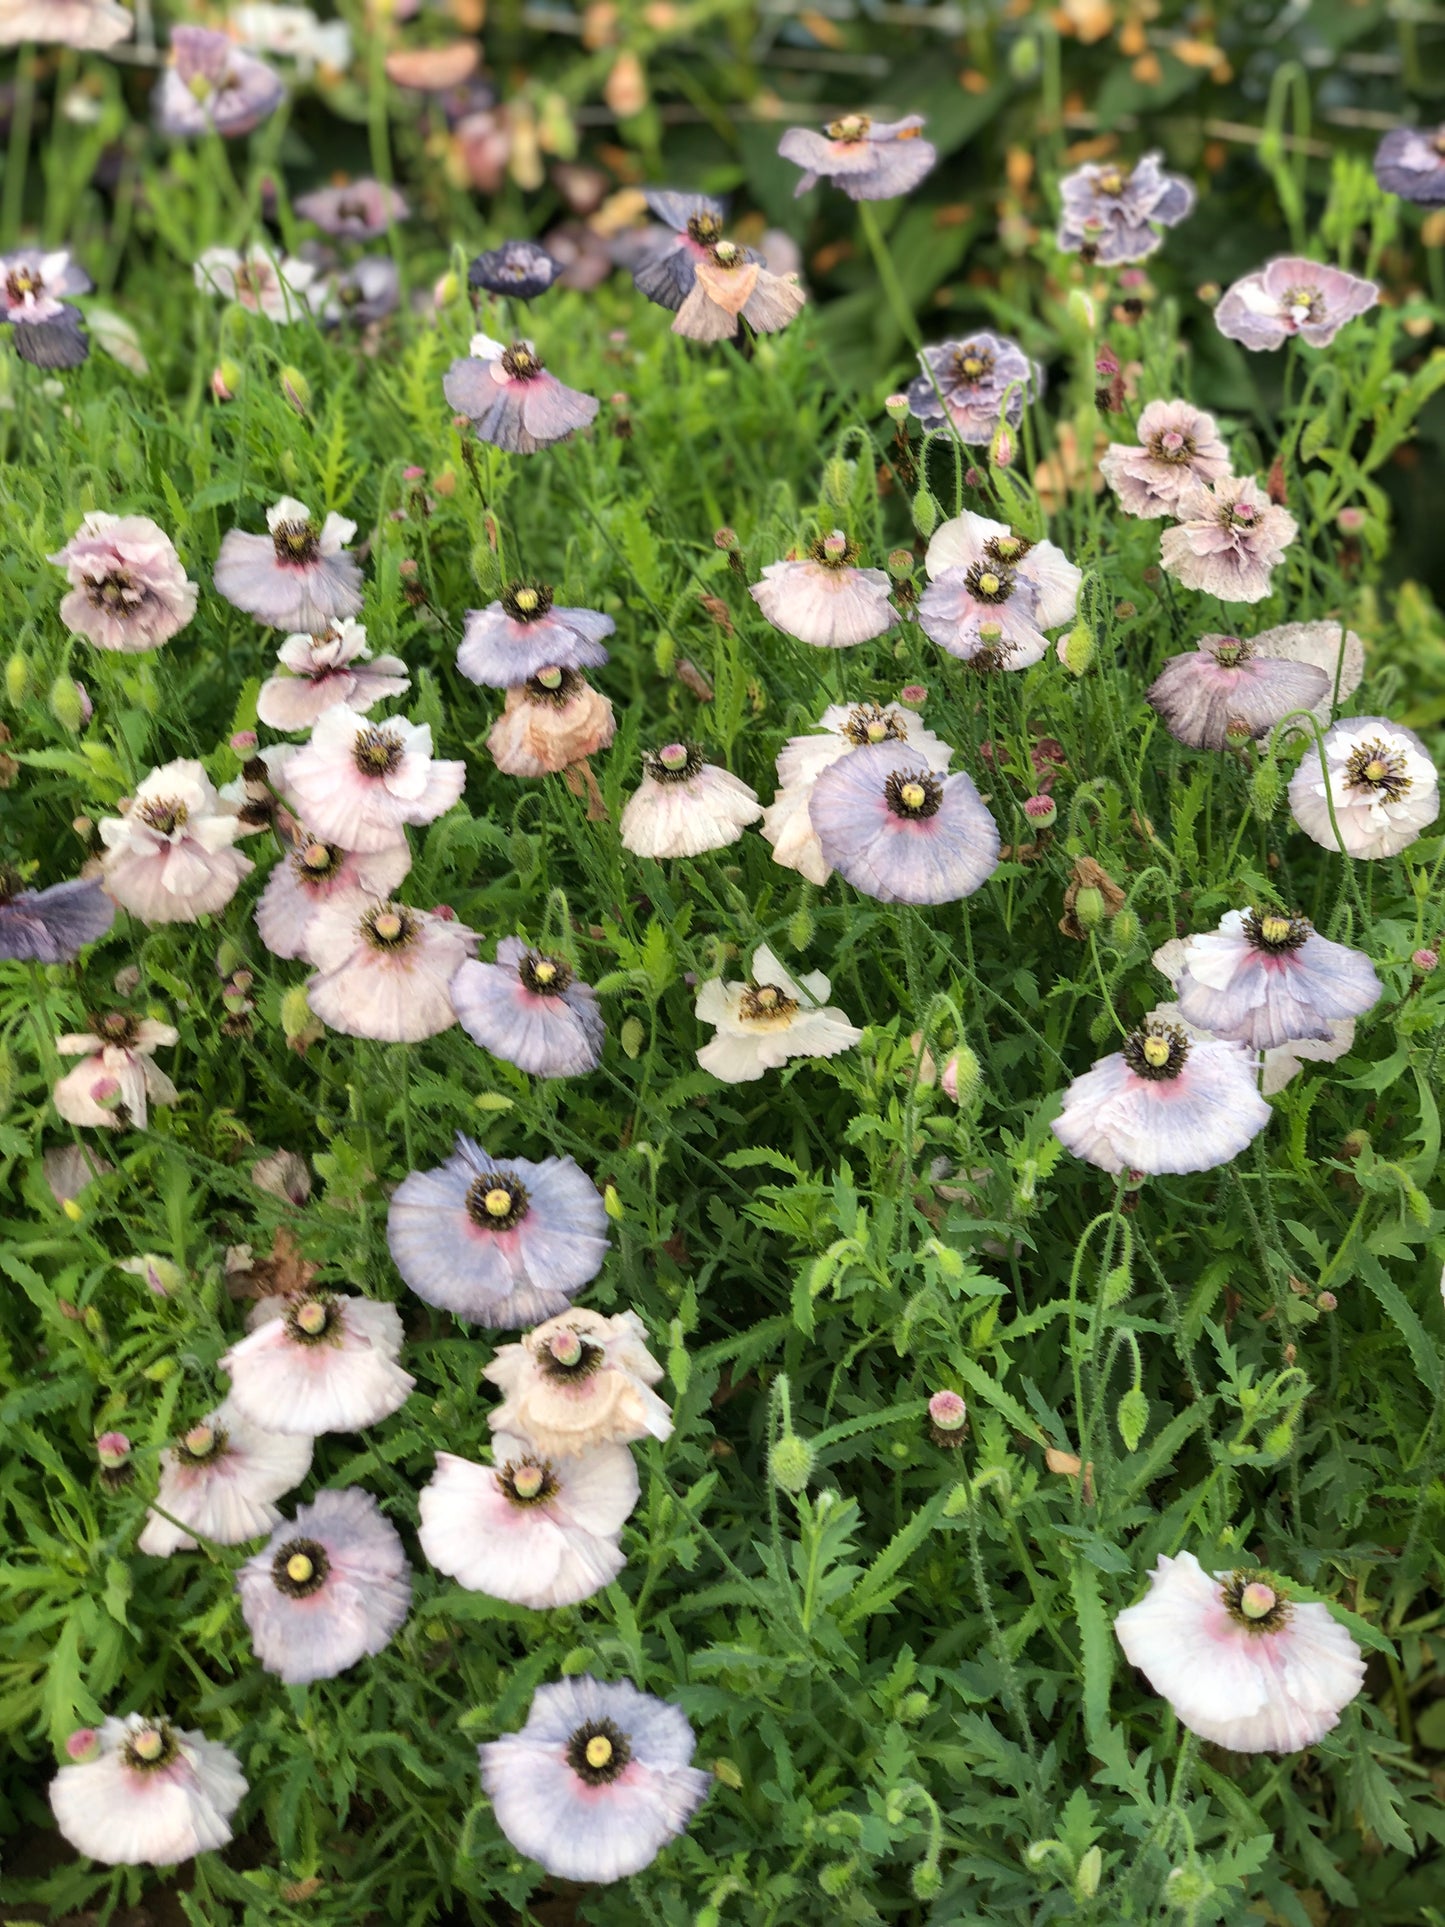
673,763
1303,304
389,926
834,551
521,361
914,795
543,975
1111,181
1376,766
766,1004
1240,515
1268,930
727,254
151,1747
22,282
567,1355
553,686
300,1568
991,580
526,601
598,1752
115,593
705,229
376,752
972,363
1172,447
318,862
870,723
295,542
202,1445
496,1201
1254,1603
532,1482
851,127
116,1029
312,1321
164,815
1156,1052
1230,652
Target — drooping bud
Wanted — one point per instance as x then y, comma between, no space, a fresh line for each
226,379
790,1463
17,678
65,704
838,481
1265,788
296,389
962,1078
925,512
1076,651
632,1036
1089,907
801,928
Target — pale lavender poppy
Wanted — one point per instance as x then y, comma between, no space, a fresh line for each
47,328
598,1780
308,876
1000,566
333,667
1223,686
1114,213
369,290
984,614
1178,444
359,784
299,577
331,1587
979,382
667,270
498,1242
90,25
517,268
824,599
732,285
1376,794
523,633
1410,162
871,160
510,399
530,1009
358,211
141,1792
52,925
1163,1104
1263,979
901,832
324,1363
1229,539
128,587
1290,296
213,84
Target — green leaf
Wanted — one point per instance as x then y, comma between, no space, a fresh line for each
1096,1648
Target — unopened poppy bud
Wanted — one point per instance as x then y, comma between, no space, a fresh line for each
1351,520
897,406
1077,649
913,695
925,512
1089,907
926,1881
298,1020
899,564
66,705
1001,450
612,1203
1023,58
801,928
913,1707
1187,1888
112,1449
296,389
445,291
226,379
726,540
1265,786
837,1877
1081,309
1126,929
1327,1301
1042,812
962,1078
838,481
790,1462
1423,962
1088,1873
17,678
632,1036
82,1745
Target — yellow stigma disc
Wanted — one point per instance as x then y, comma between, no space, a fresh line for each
388,926
312,1317
545,972
497,1202
1156,1051
299,1568
988,583
1375,769
877,732
972,365
147,1745
528,1480
200,1439
526,599
912,796
1274,929
599,1750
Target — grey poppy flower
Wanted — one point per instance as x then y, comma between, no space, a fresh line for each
1115,213
1410,162
518,268
214,84
871,160
979,381
667,271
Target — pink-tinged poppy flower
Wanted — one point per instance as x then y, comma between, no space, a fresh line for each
128,588
1263,979
294,33
549,722
147,1793
52,925
977,383
771,1018
359,784
1230,537
1224,685
530,1009
89,25
369,290
786,823
311,874
116,1081
358,211
579,1381
1384,788
331,1587
510,399
221,1481
281,288
900,832
526,1530
1277,1066
826,600
731,285
169,858
523,633
667,268
299,577
384,970
1288,297
1327,645
519,269
212,84
598,1780
1163,1104
970,541
497,1241
333,667
1178,444
324,1363
984,614
871,160
1114,214
684,806
1242,1664
1410,162
47,329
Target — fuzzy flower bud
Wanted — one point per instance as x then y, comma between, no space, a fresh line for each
632,1036
112,1449
1423,961
1001,452
1126,929
962,1078
925,512
790,1462
1089,907
1264,789
296,389
226,379
17,678
66,705
801,928
1081,310
1076,651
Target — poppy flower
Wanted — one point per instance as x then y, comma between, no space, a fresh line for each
383,969
900,832
768,1020
517,268
322,1363
1225,683
169,858
1230,539
116,1081
975,384
731,285
361,210
1410,162
523,633
666,271
684,805
298,577
358,783
510,399
211,83
146,1793
310,874
221,1480
1291,297
47,329
1178,444
128,588
1264,979
280,288
1384,789
549,722
51,925
826,600
1114,213
530,1009
871,160
334,666
90,25
579,1381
